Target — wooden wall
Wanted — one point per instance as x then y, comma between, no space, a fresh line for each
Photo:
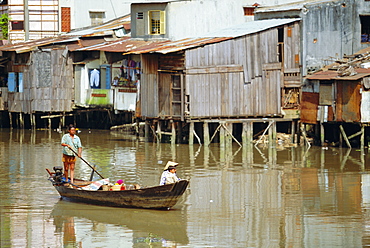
149,85
239,77
47,82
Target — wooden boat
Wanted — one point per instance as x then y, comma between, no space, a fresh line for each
157,197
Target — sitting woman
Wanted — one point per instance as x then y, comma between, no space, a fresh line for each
169,174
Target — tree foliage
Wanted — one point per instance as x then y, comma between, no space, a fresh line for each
4,25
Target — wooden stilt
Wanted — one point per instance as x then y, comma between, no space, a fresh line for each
147,131
159,132
173,133
272,134
293,132
322,134
191,133
228,135
345,136
340,139
63,120
10,120
49,123
21,120
362,139
222,135
179,133
206,134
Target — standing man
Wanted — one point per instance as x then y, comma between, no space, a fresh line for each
169,174
70,141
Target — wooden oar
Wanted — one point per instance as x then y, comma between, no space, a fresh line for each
92,167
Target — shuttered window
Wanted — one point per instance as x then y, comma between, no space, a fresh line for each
66,19
156,22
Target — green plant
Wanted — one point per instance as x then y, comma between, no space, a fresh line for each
4,22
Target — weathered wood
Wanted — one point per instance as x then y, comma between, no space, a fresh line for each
158,197
191,133
173,131
345,136
214,69
159,132
206,134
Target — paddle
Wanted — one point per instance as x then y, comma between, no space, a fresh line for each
88,165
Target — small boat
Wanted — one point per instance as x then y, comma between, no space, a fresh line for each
157,197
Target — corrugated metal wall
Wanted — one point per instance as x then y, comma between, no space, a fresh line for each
348,101
149,85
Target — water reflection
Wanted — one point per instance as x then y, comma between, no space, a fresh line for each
252,196
144,226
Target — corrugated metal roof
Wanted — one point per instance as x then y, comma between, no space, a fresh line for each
331,75
73,37
31,45
103,29
121,45
214,37
289,6
165,47
250,27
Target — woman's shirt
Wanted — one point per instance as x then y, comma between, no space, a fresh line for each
74,142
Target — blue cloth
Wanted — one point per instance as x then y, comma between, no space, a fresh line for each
75,143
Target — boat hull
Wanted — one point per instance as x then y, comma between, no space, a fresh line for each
158,197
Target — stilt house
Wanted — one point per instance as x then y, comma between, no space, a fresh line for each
238,73
337,101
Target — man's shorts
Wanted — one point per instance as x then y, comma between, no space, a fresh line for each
68,159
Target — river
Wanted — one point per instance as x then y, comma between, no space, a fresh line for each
244,197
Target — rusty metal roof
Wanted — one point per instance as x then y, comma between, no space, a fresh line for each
167,46
333,75
250,27
76,39
121,45
105,28
32,45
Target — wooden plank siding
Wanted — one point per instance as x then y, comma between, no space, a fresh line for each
47,84
243,77
292,74
149,85
239,77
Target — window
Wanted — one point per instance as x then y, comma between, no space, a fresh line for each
97,17
365,28
17,25
156,22
140,15
248,11
15,82
66,19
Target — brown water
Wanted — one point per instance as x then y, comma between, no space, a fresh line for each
251,197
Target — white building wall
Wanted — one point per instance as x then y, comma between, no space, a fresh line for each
197,17
80,10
